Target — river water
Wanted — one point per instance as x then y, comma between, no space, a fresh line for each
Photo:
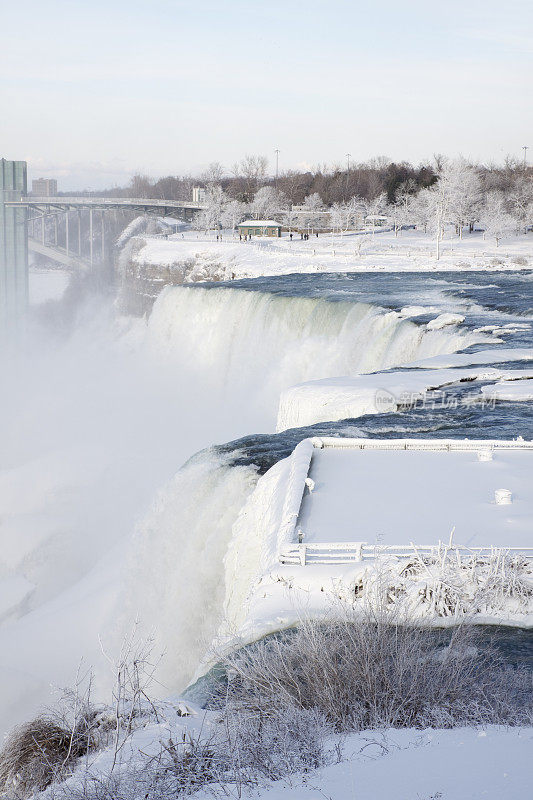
130,446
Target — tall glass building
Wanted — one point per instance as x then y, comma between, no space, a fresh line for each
13,245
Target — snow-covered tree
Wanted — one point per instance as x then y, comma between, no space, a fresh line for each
233,212
252,170
214,173
460,183
312,214
347,215
267,202
454,199
421,210
521,201
211,216
495,217
433,206
403,211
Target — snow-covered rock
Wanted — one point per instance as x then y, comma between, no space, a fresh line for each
443,320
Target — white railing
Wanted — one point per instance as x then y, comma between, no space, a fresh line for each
67,200
357,552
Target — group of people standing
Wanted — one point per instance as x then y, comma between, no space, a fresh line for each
304,236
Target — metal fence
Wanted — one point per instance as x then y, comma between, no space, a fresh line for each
357,552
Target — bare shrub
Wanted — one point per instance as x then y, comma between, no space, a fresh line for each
42,751
377,672
244,750
276,740
283,698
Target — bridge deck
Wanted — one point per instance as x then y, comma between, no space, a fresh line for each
106,203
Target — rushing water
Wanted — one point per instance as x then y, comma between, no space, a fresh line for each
93,424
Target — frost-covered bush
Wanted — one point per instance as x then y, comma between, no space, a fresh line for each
274,715
44,750
241,750
444,586
376,673
276,740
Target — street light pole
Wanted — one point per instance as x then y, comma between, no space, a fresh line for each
347,174
277,166
525,149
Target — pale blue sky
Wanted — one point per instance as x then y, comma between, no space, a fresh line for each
98,90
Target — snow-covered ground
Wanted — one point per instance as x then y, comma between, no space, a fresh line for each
394,496
410,251
461,764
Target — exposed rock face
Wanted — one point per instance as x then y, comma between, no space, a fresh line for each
140,282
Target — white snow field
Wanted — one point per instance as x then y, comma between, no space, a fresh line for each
201,255
460,764
393,492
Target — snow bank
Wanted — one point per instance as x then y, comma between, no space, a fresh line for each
508,389
412,251
332,399
492,356
443,320
368,495
461,764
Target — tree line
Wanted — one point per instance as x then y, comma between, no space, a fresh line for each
456,192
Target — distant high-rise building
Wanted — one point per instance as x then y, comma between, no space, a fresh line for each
13,244
44,187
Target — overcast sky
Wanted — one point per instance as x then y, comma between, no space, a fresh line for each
94,91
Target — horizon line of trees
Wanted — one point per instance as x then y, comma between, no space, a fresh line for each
459,195
457,192
335,184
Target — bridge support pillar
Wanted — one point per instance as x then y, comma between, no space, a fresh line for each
102,218
13,249
79,233
55,229
67,237
42,229
91,236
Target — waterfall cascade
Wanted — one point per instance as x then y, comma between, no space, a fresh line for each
210,366
255,344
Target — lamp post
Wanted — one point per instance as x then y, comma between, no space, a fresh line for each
347,173
525,148
277,166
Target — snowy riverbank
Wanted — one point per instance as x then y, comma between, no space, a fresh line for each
197,256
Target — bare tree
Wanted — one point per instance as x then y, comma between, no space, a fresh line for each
213,174
253,170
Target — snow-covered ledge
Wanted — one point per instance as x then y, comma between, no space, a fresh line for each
347,493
